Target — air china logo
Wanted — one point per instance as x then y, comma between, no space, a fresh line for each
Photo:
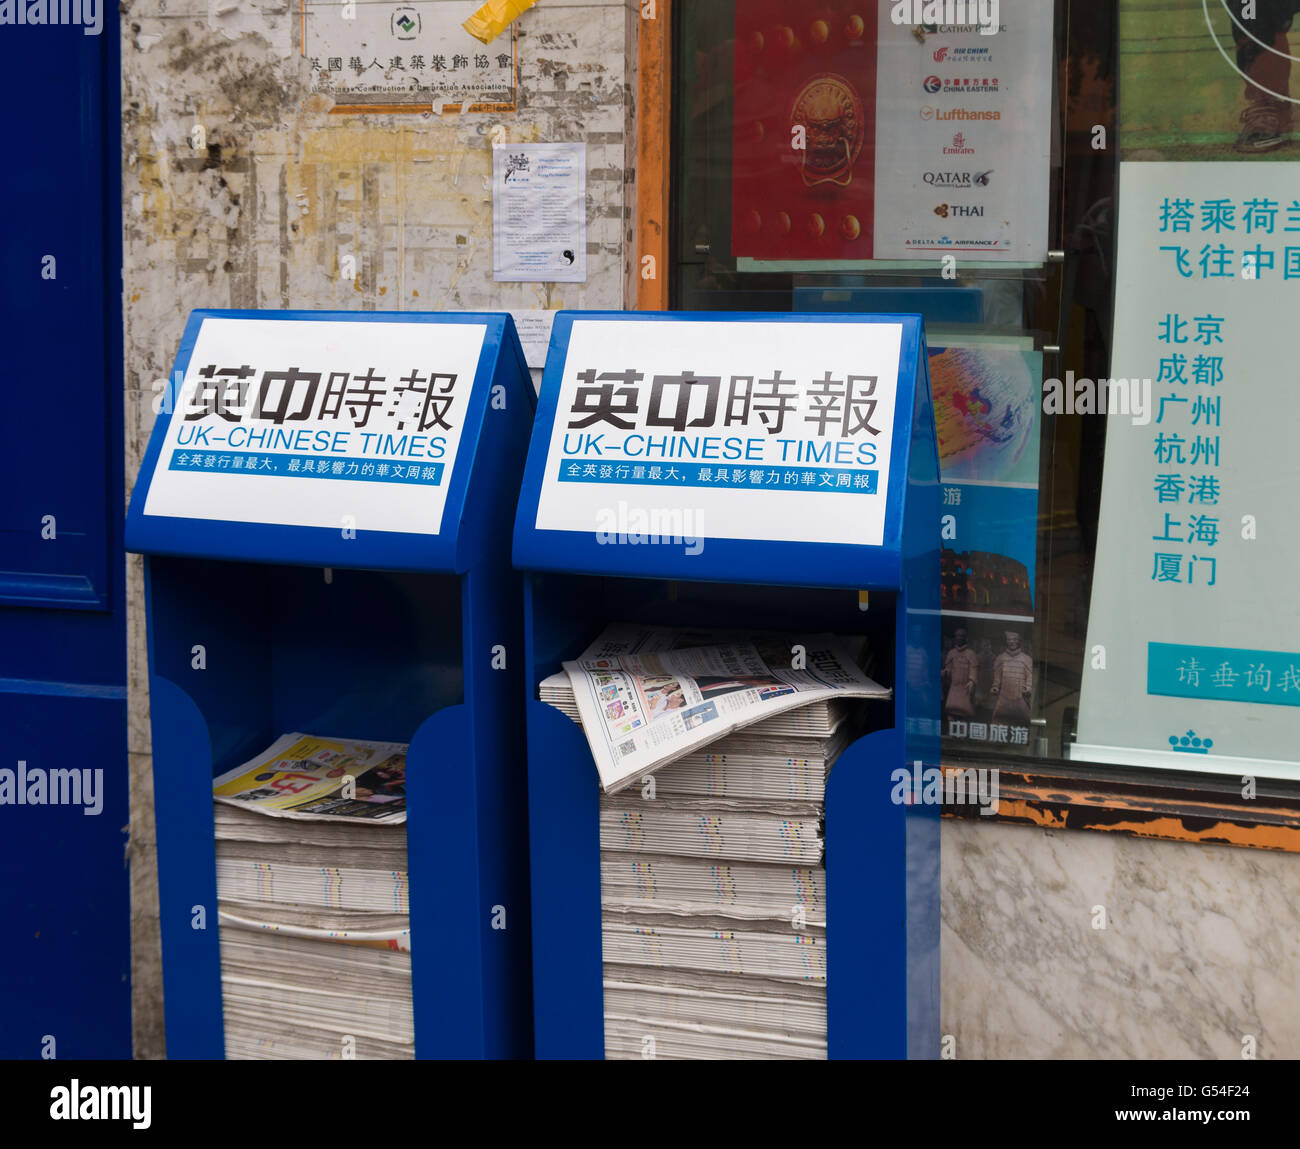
962,55
959,146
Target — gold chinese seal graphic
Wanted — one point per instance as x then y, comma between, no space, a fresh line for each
830,112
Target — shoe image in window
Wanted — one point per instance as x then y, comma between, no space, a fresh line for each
1263,127
1264,61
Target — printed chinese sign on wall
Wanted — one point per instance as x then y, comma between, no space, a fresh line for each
1193,657
857,138
773,431
406,56
1193,649
318,424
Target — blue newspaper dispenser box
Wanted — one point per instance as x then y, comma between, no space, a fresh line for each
747,471
325,507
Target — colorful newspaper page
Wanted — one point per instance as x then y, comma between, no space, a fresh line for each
643,711
321,779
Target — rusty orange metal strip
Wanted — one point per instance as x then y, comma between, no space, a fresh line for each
1264,824
653,135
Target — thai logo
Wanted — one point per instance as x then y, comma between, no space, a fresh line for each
830,111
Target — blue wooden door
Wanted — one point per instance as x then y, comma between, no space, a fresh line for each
64,904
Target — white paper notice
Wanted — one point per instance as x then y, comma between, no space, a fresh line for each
318,423
539,217
534,328
742,430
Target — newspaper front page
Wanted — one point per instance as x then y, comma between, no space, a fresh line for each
321,779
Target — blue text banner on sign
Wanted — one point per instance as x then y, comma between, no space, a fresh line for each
1268,677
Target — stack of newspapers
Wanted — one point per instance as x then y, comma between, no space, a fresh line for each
312,891
713,892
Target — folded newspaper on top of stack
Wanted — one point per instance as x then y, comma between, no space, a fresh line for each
713,891
313,903
645,698
321,779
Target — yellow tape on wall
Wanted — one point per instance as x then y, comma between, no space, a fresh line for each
495,17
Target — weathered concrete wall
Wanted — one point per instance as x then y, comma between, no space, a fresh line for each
262,216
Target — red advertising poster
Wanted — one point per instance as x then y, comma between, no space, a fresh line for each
804,76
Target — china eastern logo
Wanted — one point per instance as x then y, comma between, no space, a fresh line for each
962,85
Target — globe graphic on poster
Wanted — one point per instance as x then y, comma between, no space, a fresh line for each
986,414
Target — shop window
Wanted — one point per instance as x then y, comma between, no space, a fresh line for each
1089,205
